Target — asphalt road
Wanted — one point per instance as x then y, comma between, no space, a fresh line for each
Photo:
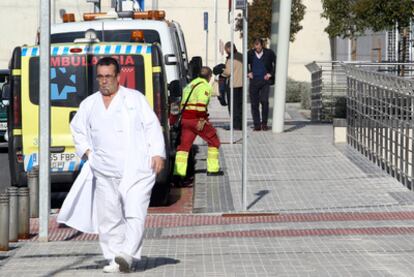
4,167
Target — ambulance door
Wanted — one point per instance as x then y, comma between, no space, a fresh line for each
68,87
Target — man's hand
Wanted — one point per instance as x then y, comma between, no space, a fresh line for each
157,164
200,124
267,76
86,155
250,75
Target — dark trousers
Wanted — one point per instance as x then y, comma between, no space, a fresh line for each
238,106
259,94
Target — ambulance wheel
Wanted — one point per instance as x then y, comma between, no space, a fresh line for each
161,191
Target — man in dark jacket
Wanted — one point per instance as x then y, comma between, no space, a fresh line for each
261,72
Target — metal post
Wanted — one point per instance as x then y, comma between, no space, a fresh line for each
33,184
386,45
215,31
232,73
24,219
274,38
13,213
244,154
4,222
155,4
206,47
96,5
44,121
281,67
205,23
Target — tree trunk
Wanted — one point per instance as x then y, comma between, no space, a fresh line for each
353,48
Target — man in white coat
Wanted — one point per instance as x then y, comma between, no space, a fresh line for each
118,134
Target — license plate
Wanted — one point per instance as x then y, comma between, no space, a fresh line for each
62,160
3,126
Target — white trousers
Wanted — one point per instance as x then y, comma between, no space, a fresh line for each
121,230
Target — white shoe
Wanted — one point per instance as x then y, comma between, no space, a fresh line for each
113,267
124,261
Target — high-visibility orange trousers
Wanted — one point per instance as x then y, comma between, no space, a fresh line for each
188,135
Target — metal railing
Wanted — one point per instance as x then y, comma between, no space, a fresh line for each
329,85
380,114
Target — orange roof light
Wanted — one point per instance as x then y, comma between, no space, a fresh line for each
152,14
68,17
137,36
140,15
156,14
91,16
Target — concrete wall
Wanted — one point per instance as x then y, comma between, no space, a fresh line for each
19,21
311,44
190,16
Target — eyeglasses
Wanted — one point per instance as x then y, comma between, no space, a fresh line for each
104,77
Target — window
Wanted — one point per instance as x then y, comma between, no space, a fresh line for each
73,77
150,36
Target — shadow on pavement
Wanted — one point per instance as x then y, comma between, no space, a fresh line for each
260,195
147,263
59,255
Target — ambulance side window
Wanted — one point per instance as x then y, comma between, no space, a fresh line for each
67,82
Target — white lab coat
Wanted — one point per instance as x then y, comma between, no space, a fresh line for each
145,140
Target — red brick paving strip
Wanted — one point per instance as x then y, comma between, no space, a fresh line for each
300,233
170,221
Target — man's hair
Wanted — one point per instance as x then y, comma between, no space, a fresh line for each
228,45
206,72
109,61
258,40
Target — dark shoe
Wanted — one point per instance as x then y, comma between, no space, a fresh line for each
257,128
265,127
124,261
218,173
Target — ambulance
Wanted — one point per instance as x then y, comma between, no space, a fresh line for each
115,26
4,74
72,79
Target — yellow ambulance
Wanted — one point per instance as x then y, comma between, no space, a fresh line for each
72,78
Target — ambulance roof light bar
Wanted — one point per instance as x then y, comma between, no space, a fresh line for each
68,17
151,14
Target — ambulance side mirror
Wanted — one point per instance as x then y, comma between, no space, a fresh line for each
5,94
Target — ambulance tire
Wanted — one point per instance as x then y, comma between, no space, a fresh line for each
17,173
161,190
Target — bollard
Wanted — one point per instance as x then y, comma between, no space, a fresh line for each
24,219
4,222
33,184
13,193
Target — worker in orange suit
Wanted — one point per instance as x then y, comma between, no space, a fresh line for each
195,123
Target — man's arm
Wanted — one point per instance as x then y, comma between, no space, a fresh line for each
227,69
79,128
154,136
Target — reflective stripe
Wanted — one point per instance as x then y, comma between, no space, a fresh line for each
196,104
17,132
198,109
156,69
16,72
213,164
180,165
97,49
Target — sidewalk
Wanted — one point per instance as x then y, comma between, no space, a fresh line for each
334,214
